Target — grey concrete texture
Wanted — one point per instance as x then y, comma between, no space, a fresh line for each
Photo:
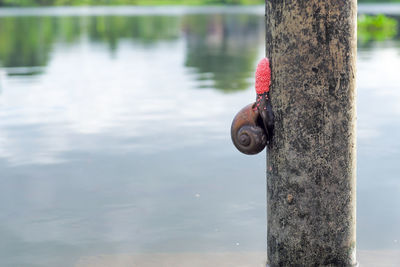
311,161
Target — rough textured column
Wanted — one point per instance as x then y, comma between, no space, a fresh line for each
311,162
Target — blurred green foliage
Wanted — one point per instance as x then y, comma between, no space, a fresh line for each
124,2
224,48
376,28
142,29
143,2
220,49
25,41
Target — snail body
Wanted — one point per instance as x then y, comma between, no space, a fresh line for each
252,128
247,136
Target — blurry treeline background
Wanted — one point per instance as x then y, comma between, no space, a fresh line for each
143,2
28,41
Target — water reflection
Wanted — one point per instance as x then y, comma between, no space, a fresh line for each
146,30
223,48
220,49
26,41
378,146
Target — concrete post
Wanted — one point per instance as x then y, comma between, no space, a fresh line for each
311,161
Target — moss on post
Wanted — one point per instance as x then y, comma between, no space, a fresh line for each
311,162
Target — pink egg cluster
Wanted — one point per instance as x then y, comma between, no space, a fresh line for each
263,76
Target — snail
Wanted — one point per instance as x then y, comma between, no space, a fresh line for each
252,128
247,136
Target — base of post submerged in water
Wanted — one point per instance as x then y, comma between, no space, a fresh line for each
311,160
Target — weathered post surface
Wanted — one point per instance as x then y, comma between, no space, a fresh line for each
311,161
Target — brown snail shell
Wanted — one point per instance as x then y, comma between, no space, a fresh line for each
247,136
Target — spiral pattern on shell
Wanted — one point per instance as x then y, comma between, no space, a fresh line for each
247,136
250,139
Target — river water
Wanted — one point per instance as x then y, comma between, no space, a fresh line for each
114,134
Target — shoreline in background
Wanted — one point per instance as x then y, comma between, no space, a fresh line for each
372,9
34,3
42,3
366,258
